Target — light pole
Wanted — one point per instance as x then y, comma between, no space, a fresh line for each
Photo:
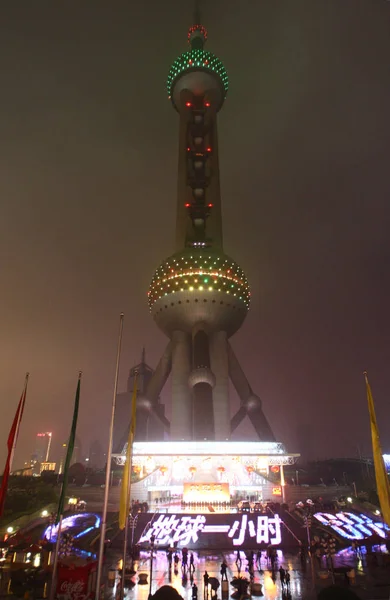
329,546
132,525
151,566
307,519
282,483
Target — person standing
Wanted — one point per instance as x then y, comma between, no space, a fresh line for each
287,579
206,584
224,571
192,566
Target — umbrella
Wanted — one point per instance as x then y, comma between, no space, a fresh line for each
213,581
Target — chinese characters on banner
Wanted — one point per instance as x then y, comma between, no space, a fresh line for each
186,530
172,529
352,526
198,492
262,529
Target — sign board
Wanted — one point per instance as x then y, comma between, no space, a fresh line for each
352,526
206,492
75,583
228,531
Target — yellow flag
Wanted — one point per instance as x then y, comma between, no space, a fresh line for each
124,505
382,480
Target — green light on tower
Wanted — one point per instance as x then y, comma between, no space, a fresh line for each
197,60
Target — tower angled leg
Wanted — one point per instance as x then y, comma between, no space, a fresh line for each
156,384
160,375
250,404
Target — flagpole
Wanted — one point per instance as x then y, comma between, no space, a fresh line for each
108,467
63,489
125,550
18,423
11,445
55,562
381,478
129,458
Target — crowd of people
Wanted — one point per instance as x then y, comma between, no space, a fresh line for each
248,562
139,507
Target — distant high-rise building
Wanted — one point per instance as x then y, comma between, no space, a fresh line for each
48,466
42,447
148,427
63,457
96,457
77,455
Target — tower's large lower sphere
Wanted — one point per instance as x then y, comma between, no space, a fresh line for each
199,286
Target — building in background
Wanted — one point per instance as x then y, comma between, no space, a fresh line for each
47,466
62,458
96,456
42,447
199,298
149,423
77,455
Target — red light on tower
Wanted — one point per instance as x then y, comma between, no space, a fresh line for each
208,149
187,205
210,206
207,104
188,104
188,149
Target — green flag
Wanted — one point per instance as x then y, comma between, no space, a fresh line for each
69,452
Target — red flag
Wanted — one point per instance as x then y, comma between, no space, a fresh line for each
12,437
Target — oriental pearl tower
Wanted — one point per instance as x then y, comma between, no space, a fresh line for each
199,296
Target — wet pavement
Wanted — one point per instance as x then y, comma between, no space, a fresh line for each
305,581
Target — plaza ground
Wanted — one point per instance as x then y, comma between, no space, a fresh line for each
373,584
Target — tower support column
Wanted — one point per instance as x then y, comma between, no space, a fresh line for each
202,381
220,368
181,419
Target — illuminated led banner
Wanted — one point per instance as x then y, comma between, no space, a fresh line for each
352,526
77,525
216,531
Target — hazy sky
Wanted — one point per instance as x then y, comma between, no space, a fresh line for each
88,156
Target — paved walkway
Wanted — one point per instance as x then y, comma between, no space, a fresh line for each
368,586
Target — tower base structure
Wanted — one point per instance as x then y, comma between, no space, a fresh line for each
199,476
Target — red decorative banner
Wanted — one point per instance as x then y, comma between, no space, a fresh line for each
73,583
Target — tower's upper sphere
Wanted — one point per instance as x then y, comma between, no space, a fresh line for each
199,285
197,70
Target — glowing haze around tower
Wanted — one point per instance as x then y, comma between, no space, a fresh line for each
199,296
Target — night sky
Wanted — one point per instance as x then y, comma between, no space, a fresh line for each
88,157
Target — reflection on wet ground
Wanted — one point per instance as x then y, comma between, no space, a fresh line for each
305,580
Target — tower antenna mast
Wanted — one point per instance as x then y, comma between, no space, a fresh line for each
196,12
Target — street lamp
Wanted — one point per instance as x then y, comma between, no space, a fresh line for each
132,525
329,546
151,565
